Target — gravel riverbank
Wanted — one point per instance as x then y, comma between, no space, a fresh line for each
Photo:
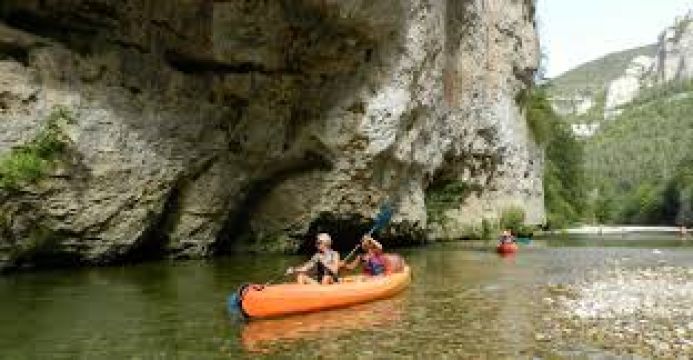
623,229
644,311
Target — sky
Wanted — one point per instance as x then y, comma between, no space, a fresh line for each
573,32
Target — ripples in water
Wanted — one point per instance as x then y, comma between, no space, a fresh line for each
464,302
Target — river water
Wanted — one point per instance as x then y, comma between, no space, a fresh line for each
465,301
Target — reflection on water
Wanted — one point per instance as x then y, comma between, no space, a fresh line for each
463,303
260,335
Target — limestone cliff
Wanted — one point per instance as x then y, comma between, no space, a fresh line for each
673,62
189,128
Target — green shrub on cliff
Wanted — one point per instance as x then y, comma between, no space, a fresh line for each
29,163
444,196
20,166
540,116
564,181
512,218
488,229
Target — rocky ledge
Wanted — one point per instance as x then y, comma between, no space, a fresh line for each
192,128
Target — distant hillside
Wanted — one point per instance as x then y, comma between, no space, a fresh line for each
638,163
635,159
592,77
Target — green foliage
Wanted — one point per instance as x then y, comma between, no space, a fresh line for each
512,218
20,166
526,231
637,163
564,181
680,193
604,209
30,162
472,232
594,115
446,195
540,115
672,91
488,229
564,184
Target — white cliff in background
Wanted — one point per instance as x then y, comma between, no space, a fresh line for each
675,53
575,105
673,62
625,88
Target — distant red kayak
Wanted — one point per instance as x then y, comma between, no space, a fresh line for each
507,248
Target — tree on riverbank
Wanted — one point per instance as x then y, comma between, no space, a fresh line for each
639,164
680,190
564,185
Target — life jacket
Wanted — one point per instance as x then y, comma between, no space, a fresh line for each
507,239
374,264
393,263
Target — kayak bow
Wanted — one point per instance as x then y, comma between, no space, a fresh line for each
507,248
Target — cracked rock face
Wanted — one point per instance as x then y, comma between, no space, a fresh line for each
624,89
201,127
673,62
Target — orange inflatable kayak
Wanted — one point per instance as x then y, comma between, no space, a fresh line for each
257,301
507,248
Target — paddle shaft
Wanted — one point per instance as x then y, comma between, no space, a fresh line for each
353,251
382,219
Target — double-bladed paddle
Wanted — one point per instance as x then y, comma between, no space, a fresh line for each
381,220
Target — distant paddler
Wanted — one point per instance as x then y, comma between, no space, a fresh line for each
372,258
506,243
506,237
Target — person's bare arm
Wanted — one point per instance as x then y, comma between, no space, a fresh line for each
367,239
352,265
334,264
377,244
303,268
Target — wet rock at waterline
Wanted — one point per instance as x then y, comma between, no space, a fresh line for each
197,127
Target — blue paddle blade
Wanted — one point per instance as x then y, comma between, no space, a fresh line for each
383,217
233,304
523,240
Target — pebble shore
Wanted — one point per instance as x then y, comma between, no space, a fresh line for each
644,312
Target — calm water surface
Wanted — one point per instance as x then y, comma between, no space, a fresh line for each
465,302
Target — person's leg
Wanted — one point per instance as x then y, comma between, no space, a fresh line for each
304,279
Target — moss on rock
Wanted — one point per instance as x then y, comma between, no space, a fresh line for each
31,162
446,195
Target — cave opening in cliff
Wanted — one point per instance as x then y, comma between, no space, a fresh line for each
345,231
237,226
